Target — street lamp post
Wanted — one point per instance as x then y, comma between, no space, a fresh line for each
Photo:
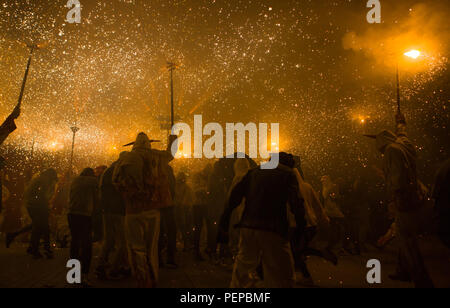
74,129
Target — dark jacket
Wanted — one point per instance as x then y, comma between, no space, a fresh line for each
266,193
83,196
111,200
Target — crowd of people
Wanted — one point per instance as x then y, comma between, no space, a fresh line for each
264,222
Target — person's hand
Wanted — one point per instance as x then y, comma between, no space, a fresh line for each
16,113
400,118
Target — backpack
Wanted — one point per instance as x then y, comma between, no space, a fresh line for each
128,176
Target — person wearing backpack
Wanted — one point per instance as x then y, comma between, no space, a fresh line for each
141,177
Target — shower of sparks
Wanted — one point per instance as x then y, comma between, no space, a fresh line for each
294,62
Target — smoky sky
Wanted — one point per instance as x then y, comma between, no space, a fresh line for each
316,67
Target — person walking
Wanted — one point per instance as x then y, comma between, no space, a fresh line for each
399,166
141,177
83,201
37,200
264,226
113,261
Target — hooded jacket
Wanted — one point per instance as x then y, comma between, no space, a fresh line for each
399,162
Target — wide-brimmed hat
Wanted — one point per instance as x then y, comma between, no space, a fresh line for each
142,137
132,143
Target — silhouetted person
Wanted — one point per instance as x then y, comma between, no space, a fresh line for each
264,226
399,164
316,220
201,217
141,176
331,197
97,217
184,198
5,130
168,235
114,255
37,200
82,203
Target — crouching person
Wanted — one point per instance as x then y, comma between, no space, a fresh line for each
264,224
82,202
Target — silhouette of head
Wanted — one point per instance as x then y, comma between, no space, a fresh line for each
88,172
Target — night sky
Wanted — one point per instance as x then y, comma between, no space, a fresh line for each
316,67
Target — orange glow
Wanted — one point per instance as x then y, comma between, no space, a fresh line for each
413,54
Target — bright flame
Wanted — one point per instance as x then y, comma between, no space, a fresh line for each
414,54
181,154
54,146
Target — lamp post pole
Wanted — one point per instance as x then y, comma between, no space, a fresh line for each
74,129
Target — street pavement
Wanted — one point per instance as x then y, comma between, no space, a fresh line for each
18,270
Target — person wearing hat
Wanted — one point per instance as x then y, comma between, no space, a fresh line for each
399,166
143,201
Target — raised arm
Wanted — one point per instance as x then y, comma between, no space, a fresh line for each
9,125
